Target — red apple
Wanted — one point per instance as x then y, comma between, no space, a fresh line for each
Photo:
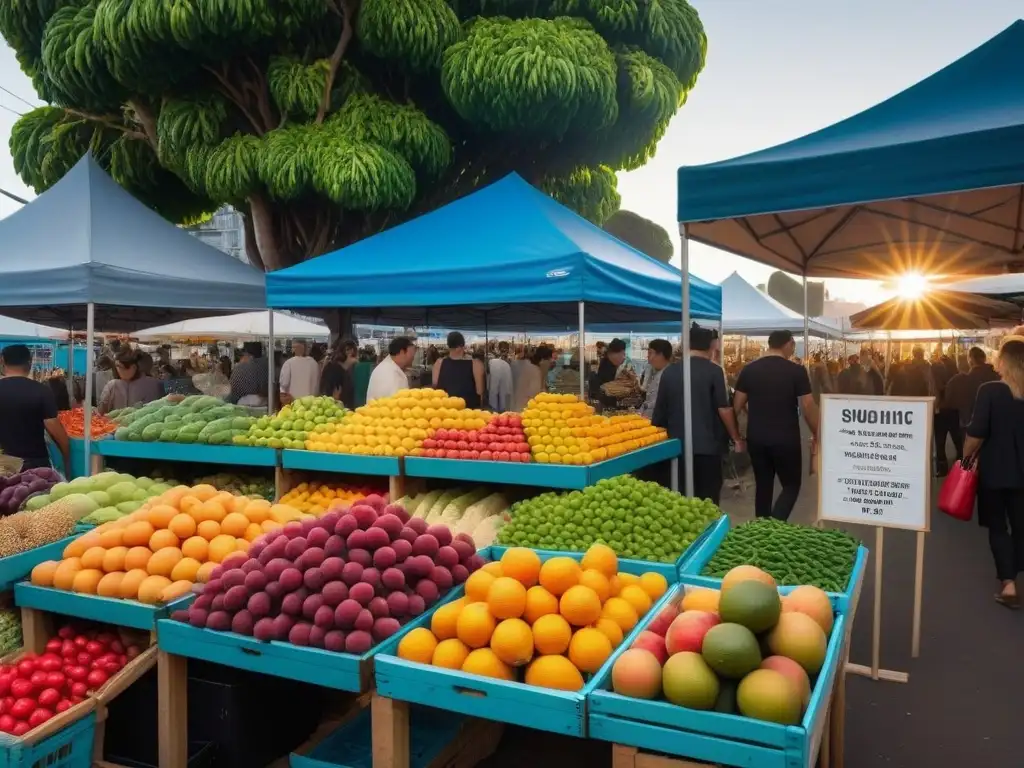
485,455
653,643
686,633
664,620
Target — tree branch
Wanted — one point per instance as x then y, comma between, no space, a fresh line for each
110,121
252,250
264,234
347,11
147,120
237,98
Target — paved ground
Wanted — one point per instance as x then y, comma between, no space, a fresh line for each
964,704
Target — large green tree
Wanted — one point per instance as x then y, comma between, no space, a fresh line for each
326,121
643,234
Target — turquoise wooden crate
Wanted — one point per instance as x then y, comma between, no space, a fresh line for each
71,747
17,567
713,736
240,455
702,556
121,613
505,702
341,463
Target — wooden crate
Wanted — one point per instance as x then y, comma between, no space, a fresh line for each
631,757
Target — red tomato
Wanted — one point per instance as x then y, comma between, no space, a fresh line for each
451,454
95,649
38,678
38,717
96,678
525,456
22,688
106,638
68,649
78,690
54,644
132,651
110,667
503,456
26,667
7,723
5,684
51,662
81,641
466,454
8,702
474,454
55,680
22,708
66,632
20,728
83,658
428,443
485,455
117,646
78,674
49,697
63,705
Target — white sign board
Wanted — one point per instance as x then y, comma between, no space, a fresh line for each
875,455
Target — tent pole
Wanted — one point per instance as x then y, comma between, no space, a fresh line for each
582,343
888,353
807,335
684,268
90,330
270,361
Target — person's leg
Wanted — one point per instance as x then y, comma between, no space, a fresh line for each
957,433
789,466
1017,530
707,477
993,507
764,478
939,433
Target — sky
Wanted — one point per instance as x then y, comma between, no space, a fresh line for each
776,70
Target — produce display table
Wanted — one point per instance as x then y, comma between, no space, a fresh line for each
16,567
341,463
191,452
37,601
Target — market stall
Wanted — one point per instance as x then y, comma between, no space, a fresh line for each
246,325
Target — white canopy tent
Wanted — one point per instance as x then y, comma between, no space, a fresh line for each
746,311
246,325
10,328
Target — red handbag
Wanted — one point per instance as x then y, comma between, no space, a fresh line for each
956,498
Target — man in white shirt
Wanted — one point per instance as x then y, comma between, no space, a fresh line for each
389,375
499,388
300,375
659,355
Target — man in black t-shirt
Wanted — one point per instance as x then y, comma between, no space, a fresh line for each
28,411
774,391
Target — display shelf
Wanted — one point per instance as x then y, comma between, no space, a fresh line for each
702,556
541,475
17,567
121,613
239,455
714,736
69,747
341,463
513,703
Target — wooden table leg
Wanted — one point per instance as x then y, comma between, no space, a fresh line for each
35,630
837,717
623,756
389,721
172,718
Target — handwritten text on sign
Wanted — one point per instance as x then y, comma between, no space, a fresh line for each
875,461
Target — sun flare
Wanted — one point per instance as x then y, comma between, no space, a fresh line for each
911,285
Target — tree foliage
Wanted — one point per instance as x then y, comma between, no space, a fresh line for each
326,121
643,234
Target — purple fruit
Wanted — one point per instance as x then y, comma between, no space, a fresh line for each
203,601
466,538
259,605
371,576
311,605
197,588
364,515
309,525
212,588
295,548
364,621
313,557
335,547
379,607
346,525
442,533
464,550
460,573
181,615
332,568
442,577
427,589
264,630
335,641
394,509
402,549
328,521
316,637
376,501
390,523
314,579
257,547
474,563
290,579
398,603
293,530
447,557
275,590
243,623
408,533
197,616
421,565
255,581
218,603
375,538
356,540
358,642
416,605
361,556
299,634
292,604
334,592
278,546
266,556
324,617
236,598
282,626
219,621
270,536
384,628
351,573
384,557
233,578
362,593
250,565
418,524
345,614
393,579
216,573
275,568
425,545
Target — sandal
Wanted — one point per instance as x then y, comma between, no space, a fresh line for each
1009,601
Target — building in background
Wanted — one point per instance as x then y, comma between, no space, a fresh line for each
225,231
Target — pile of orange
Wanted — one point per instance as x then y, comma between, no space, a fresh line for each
317,498
158,552
555,621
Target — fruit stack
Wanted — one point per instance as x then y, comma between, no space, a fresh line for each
742,650
316,498
548,624
561,429
297,426
343,582
502,439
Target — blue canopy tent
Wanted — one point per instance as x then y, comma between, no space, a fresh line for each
931,179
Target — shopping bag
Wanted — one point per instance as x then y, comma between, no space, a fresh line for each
956,498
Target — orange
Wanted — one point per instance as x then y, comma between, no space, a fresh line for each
611,630
252,532
589,649
77,547
506,598
129,586
558,574
185,569
270,525
203,491
554,672
418,645
174,495
477,586
551,634
208,529
225,498
110,584
42,574
654,584
64,574
175,590
151,589
701,599
450,654
257,510
625,579
113,560
210,510
580,606
234,524
189,504
475,625
493,568
483,661
621,612
137,558
512,642
111,538
182,526
137,534
221,547
601,558
93,557
86,581
539,602
160,516
521,564
634,595
598,582
445,620
163,539
203,575
163,562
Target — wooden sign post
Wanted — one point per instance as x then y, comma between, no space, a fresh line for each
875,455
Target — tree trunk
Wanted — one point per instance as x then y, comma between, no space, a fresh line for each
339,322
265,234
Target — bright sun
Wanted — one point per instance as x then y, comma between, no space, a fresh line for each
911,285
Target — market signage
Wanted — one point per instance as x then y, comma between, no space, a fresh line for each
875,460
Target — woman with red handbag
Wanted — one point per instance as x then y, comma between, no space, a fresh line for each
996,437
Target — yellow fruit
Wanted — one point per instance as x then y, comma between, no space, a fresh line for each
196,547
86,581
42,574
182,526
554,672
64,574
234,524
601,558
746,573
160,515
205,570
185,569
512,642
253,531
493,568
162,563
483,661
111,538
598,582
257,510
558,574
477,586
634,595
551,634
77,547
521,564
506,598
93,558
625,579
444,622
611,630
175,590
221,547
162,540
450,653
539,602
129,586
137,557
700,599
203,491
152,588
110,584
654,584
589,649
137,534
114,559
621,612
580,606
418,645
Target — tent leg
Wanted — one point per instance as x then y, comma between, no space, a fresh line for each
90,330
270,361
684,267
582,349
807,334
